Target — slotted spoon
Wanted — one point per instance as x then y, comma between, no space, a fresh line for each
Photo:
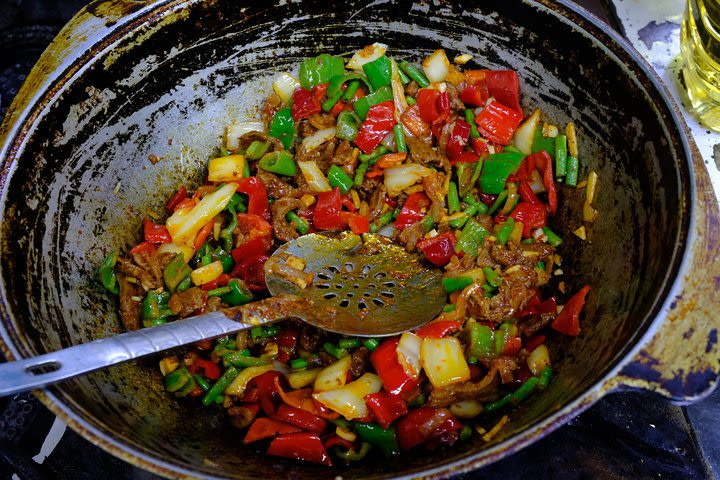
361,286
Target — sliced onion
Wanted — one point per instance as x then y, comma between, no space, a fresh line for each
236,130
318,138
525,134
367,55
314,177
436,66
536,182
401,177
399,96
285,85
408,354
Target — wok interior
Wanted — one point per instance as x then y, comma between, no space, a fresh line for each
83,182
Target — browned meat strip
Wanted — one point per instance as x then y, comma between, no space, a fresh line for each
147,268
321,121
411,236
359,361
434,187
213,304
345,156
424,154
504,366
516,289
129,308
486,390
276,187
322,155
525,254
184,304
412,89
310,338
535,323
377,201
284,230
455,102
246,139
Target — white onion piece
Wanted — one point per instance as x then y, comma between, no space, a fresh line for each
236,130
536,182
436,66
387,231
401,177
525,134
314,177
408,354
366,55
318,138
285,85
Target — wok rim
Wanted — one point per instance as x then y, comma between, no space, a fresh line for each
34,111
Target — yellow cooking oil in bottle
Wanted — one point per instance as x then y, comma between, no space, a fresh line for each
700,44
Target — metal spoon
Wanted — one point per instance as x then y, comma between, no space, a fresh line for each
361,286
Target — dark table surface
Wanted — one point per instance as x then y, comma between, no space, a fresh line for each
625,435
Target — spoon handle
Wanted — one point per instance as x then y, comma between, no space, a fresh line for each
36,372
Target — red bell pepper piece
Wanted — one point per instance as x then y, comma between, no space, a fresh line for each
465,157
348,203
267,391
155,232
458,139
221,281
327,211
527,194
251,270
264,427
210,370
427,102
202,235
412,428
379,121
532,216
251,248
336,440
395,380
568,320
544,163
475,95
304,104
358,224
438,329
385,407
301,418
498,123
534,342
257,195
287,341
480,146
512,346
179,196
300,446
413,210
142,247
438,249
503,85
524,171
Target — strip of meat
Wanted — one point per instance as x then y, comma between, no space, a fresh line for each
147,268
411,236
455,102
345,156
535,323
129,308
516,289
321,121
284,231
377,201
247,138
359,361
424,154
184,304
525,254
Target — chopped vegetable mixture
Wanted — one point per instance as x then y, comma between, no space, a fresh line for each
447,163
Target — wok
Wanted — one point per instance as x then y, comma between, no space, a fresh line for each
127,79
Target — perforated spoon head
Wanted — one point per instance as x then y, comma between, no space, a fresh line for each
360,285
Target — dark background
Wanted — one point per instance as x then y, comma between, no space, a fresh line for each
626,435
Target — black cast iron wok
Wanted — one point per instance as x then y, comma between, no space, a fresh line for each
125,80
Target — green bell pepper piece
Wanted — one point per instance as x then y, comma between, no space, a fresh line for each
178,381
282,127
452,284
491,277
362,105
154,308
238,295
415,74
338,178
348,125
470,118
383,439
280,162
541,143
498,167
505,231
379,71
220,385
175,272
482,341
106,273
453,198
236,204
314,71
256,150
472,237
226,234
350,90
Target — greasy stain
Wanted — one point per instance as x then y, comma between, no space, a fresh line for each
657,32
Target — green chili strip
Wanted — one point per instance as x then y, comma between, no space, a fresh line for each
374,155
378,437
349,343
545,377
179,380
492,278
280,162
472,237
298,364
411,101
106,273
472,360
347,125
495,406
360,174
332,99
338,178
400,138
404,79
560,155
243,361
264,332
235,205
334,351
176,271
453,284
540,265
524,391
226,234
381,221
350,90
238,294
505,231
300,223
449,308
222,383
427,223
501,337
256,150
470,200
467,213
184,284
351,455
498,202
371,343
573,166
204,384
470,118
553,238
482,341
453,198
414,73
218,292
